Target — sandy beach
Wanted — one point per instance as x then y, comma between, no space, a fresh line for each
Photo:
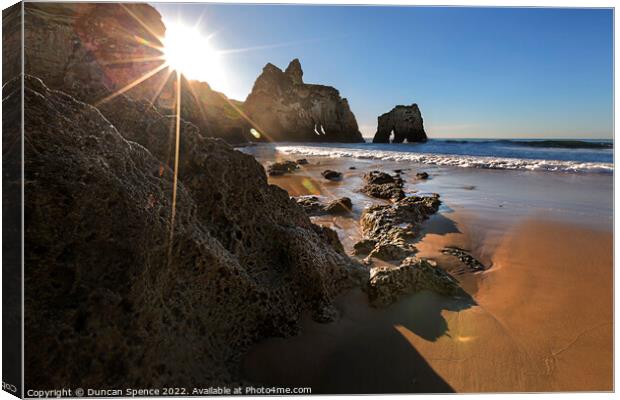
541,315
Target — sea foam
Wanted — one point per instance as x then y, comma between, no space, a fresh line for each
465,161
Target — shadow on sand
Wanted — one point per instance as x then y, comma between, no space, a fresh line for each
367,351
438,224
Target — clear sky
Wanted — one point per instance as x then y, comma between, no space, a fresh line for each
474,72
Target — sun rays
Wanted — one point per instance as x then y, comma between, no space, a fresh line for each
132,84
189,54
194,55
177,129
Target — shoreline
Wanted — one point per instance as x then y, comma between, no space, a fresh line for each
530,329
507,195
491,155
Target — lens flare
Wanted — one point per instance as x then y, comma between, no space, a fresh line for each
192,54
255,133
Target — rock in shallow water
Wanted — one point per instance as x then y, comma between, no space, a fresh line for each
421,175
388,284
338,206
383,186
281,168
393,227
404,122
313,205
331,175
470,262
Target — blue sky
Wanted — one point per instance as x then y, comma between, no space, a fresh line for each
474,72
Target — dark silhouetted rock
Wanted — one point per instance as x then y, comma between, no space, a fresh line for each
211,111
405,122
364,247
388,284
331,175
313,205
125,294
302,161
467,259
294,72
286,109
421,175
331,237
281,168
341,205
85,50
383,186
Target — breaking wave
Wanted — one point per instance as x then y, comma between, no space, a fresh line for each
455,160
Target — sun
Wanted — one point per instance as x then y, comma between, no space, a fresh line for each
192,54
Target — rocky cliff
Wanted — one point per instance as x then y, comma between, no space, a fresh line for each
404,123
91,50
283,107
120,294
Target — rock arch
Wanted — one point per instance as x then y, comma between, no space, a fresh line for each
403,123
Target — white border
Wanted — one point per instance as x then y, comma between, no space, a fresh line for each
477,3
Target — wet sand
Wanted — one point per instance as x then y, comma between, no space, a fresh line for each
541,316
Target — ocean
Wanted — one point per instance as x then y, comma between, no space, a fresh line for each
572,156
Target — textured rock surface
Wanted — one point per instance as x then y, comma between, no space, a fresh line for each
91,50
383,186
111,300
212,112
421,175
364,247
314,205
87,49
394,227
404,122
467,259
331,175
285,108
388,284
339,206
281,168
